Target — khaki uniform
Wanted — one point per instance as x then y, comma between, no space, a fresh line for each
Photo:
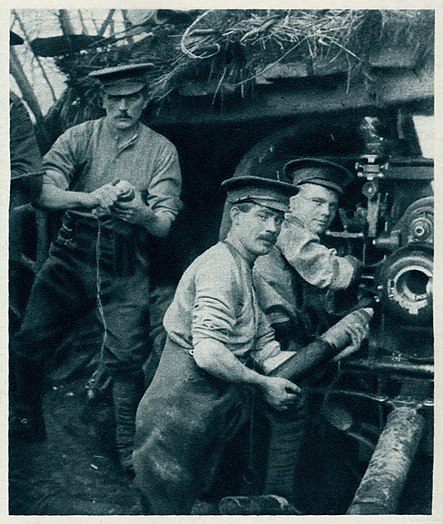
187,416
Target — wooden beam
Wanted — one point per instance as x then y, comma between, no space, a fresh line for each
202,88
389,87
405,85
399,56
265,75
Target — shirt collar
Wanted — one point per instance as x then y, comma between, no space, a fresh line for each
131,140
242,256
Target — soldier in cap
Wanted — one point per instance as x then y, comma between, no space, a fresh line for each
219,347
300,248
25,185
118,182
291,282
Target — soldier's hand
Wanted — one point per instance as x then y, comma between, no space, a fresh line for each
134,211
103,197
280,393
357,332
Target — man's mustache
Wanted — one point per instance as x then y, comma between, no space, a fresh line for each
268,238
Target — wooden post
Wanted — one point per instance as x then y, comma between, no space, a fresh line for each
82,22
380,489
106,22
37,58
25,87
128,25
65,22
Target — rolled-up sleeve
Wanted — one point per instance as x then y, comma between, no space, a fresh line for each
316,264
165,186
214,306
266,346
61,160
266,353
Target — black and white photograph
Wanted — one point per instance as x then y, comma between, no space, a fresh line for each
220,242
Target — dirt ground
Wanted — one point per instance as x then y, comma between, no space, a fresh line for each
69,473
73,471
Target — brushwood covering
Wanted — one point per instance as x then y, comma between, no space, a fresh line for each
234,50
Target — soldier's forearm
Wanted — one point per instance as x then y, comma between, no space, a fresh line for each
157,224
347,272
213,357
52,197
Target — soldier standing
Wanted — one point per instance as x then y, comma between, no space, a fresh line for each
25,187
119,182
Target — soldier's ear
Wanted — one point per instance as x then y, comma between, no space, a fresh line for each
102,98
234,212
146,97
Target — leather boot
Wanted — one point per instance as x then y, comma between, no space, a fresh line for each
26,421
127,391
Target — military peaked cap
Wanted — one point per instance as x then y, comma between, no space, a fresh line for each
123,80
264,191
317,171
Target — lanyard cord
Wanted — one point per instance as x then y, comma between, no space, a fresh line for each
98,283
95,385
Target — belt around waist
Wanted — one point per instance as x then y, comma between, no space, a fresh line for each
77,220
